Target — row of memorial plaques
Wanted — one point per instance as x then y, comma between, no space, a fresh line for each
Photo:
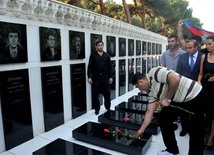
13,43
16,106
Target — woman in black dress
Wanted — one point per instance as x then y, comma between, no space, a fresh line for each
206,78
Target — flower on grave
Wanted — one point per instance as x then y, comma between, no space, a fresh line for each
106,130
118,134
135,121
127,119
118,131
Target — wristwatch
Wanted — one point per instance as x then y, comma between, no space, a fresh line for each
168,100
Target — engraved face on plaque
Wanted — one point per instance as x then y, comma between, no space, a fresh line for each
138,47
122,47
52,96
16,107
130,47
77,45
13,43
144,48
111,46
50,44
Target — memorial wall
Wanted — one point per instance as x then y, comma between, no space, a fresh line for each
44,52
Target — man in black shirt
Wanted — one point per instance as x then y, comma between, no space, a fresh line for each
100,76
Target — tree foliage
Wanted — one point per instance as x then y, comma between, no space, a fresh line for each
159,16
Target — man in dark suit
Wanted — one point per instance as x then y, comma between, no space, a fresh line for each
189,66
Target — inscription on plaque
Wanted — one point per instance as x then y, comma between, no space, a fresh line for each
52,96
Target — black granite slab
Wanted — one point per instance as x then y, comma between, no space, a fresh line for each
16,107
63,147
139,98
134,107
128,120
117,138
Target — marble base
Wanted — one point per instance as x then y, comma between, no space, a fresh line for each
128,120
94,133
62,147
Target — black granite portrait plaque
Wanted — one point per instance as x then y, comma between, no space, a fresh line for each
157,48
77,45
50,44
113,137
94,38
149,48
122,77
130,47
13,43
78,92
138,47
130,73
52,96
153,49
144,69
149,63
138,65
144,48
113,85
16,108
63,147
122,46
160,49
111,46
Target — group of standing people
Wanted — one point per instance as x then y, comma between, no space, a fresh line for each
185,80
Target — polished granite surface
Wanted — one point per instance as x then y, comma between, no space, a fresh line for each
63,147
113,137
128,120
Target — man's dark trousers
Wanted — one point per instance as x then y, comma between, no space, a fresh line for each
100,85
196,127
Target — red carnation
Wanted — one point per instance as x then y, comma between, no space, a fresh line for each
106,130
127,119
118,131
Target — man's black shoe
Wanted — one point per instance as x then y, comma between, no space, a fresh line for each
96,112
183,133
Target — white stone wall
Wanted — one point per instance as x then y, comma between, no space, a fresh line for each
49,13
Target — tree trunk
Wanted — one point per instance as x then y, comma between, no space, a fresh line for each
127,12
102,8
141,13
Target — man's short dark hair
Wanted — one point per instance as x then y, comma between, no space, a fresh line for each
173,36
98,41
137,77
197,38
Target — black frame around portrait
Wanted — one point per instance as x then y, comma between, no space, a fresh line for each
6,55
76,39
111,45
45,52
